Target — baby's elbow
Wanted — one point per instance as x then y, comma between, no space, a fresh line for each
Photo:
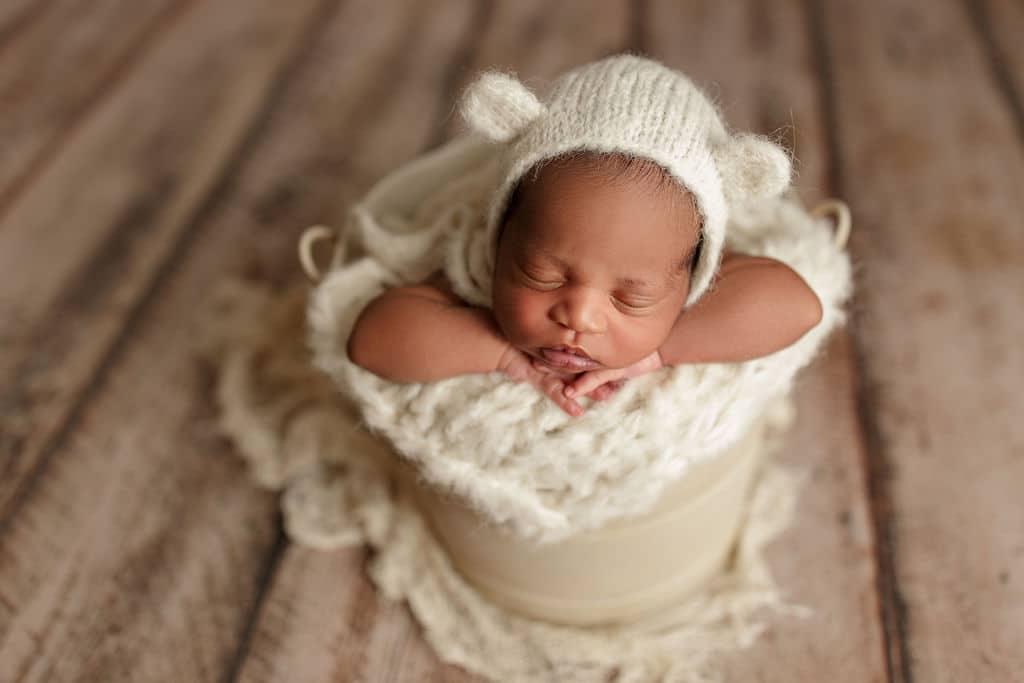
362,348
813,310
805,309
357,350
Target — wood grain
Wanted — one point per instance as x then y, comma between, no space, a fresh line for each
59,68
759,66
1000,25
141,165
16,16
930,160
322,618
537,44
140,550
325,621
308,628
81,245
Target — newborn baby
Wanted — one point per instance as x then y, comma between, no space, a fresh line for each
607,240
593,267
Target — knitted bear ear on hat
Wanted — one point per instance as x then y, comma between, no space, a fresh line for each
499,107
752,167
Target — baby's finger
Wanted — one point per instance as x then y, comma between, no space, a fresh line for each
604,391
554,389
570,406
543,369
586,383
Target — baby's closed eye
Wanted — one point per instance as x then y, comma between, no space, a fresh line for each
545,277
543,283
633,304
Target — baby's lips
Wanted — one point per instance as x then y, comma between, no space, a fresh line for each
569,360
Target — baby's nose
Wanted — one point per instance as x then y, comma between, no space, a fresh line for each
580,311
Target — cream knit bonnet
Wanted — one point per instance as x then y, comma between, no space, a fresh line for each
636,107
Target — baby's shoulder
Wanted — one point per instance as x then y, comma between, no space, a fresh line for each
439,281
736,259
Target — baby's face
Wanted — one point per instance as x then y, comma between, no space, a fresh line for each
592,264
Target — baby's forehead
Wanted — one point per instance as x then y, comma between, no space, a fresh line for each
646,193
645,180
617,168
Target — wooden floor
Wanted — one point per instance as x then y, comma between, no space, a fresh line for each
151,148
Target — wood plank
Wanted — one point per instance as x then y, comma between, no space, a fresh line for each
525,24
324,620
305,170
58,69
759,65
930,157
308,629
17,15
80,247
142,549
1001,25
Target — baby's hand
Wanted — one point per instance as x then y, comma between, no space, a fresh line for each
600,384
520,367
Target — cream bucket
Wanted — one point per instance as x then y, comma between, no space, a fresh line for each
617,573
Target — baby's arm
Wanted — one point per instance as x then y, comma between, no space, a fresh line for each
757,306
425,333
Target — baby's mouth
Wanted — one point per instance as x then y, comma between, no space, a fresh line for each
568,357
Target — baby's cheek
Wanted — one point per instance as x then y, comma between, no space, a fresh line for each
638,339
522,316
530,315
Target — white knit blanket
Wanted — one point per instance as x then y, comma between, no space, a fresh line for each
508,450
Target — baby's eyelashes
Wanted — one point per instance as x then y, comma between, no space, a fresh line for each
545,285
633,303
540,277
628,301
634,307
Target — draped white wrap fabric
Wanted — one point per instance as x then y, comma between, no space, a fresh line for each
508,450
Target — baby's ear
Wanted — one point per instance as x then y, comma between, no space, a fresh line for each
499,107
752,167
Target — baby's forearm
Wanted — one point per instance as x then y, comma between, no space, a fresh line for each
418,334
756,307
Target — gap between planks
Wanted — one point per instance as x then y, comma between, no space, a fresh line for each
451,85
202,209
106,85
981,19
892,606
21,19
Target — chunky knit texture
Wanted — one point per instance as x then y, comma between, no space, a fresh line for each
631,106
505,448
301,437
